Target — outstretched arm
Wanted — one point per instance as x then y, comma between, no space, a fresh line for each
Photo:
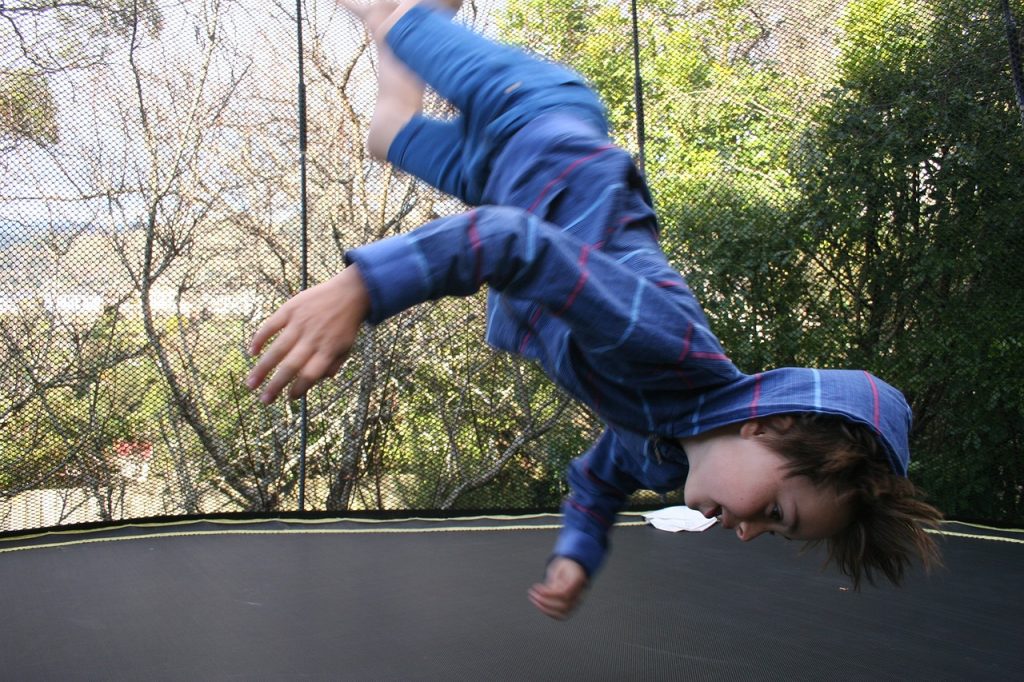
616,314
599,489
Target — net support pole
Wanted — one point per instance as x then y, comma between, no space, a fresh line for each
303,414
638,94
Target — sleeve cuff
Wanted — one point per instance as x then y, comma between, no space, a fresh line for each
395,273
581,548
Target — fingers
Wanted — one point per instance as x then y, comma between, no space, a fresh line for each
282,358
285,371
562,589
296,365
315,368
270,326
315,332
277,351
553,603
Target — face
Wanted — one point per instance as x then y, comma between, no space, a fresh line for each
742,481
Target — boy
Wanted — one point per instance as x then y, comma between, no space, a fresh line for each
567,240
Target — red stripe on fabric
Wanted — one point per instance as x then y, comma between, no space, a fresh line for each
584,276
570,168
686,343
610,230
590,512
529,334
757,395
475,243
709,356
874,394
667,284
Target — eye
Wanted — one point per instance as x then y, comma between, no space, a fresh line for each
776,513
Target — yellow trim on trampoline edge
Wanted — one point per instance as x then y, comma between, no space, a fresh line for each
444,527
975,536
304,531
984,527
275,519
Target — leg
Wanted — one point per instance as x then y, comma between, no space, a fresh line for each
432,150
399,98
485,80
399,91
498,89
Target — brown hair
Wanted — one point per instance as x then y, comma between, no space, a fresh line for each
888,515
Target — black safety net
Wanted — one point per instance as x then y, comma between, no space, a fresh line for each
841,182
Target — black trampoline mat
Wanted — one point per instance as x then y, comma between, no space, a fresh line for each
446,600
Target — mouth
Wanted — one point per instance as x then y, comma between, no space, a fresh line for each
712,512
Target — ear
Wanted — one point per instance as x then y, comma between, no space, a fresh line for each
753,428
779,423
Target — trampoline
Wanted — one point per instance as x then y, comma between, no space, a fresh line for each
446,600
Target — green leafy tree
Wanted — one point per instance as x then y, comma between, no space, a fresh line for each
720,120
480,429
913,186
71,394
862,213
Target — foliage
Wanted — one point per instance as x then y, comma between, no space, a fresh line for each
27,109
54,37
873,224
852,203
912,185
69,398
478,428
718,130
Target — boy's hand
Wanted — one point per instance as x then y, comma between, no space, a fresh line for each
316,330
562,588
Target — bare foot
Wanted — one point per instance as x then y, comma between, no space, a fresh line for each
399,90
371,15
379,17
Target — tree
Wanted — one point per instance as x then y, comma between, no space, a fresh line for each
61,350
721,119
413,419
54,38
912,186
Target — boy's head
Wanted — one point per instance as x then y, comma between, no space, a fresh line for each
737,476
887,517
813,477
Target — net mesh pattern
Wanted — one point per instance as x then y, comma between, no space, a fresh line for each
839,180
